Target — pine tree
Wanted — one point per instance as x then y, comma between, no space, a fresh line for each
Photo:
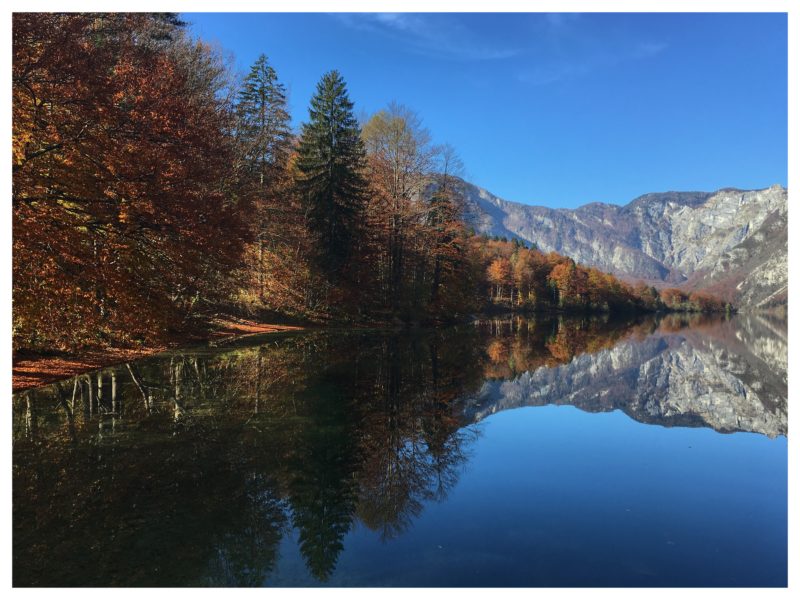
263,128
330,176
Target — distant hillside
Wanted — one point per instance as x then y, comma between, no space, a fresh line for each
730,242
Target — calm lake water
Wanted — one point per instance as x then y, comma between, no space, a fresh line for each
509,452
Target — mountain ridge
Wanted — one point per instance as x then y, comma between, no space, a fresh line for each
732,242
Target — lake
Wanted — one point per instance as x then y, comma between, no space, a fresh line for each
505,452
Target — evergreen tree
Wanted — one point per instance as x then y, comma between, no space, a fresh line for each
322,488
263,127
330,176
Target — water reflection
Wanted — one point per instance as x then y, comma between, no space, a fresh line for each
190,468
728,375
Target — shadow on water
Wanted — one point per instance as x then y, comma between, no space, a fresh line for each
190,468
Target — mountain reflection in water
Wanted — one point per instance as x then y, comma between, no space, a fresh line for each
192,467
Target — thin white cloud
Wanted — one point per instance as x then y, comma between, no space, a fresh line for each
436,36
571,45
558,48
550,69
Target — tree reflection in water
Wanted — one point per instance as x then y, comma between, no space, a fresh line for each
191,467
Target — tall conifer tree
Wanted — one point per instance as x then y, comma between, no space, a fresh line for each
330,173
263,130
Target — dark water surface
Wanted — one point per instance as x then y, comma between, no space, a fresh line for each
509,452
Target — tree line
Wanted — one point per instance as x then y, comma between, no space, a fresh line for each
154,189
518,276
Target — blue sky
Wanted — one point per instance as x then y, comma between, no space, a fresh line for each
552,109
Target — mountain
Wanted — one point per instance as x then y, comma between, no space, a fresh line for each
731,242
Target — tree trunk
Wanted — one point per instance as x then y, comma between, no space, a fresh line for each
99,392
31,427
142,388
74,393
179,412
91,395
114,406
258,384
261,264
436,276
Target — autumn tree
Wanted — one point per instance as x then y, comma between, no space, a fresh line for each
264,146
447,228
524,272
706,303
499,275
400,159
120,179
647,295
673,298
563,279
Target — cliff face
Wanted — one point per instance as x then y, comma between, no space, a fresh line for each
731,242
732,378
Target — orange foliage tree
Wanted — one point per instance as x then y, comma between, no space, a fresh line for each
122,225
499,275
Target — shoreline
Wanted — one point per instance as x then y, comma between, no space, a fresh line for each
35,370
